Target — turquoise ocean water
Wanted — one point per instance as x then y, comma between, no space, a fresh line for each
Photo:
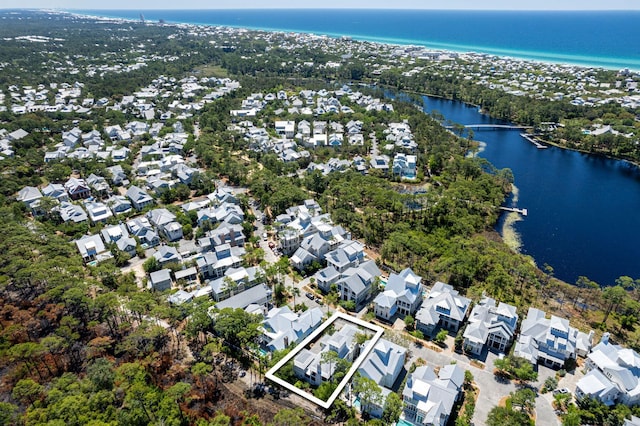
604,39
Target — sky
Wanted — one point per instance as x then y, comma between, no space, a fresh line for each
328,4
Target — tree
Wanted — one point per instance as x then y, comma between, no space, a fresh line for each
409,322
151,265
101,374
525,399
392,408
440,337
368,391
614,296
330,357
27,391
237,326
290,417
503,416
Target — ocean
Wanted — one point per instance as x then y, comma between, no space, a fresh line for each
600,39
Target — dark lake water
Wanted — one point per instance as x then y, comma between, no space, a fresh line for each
584,210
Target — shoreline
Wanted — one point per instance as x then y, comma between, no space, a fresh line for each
542,58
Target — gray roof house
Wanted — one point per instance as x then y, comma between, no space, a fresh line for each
139,198
384,363
55,190
166,254
490,325
160,280
235,280
401,296
30,196
214,264
119,204
348,254
352,284
442,308
613,374
429,399
551,341
71,212
258,295
142,229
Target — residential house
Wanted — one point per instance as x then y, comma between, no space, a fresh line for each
282,327
612,375
309,366
490,326
118,176
98,212
550,341
235,280
142,229
404,166
429,399
71,212
119,204
30,196
353,284
384,363
348,254
55,191
167,254
214,264
160,280
258,296
139,198
77,188
401,296
119,235
165,222
443,308
98,184
92,248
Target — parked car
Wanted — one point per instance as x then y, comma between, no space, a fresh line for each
309,295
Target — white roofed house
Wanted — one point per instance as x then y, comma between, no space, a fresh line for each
490,326
612,375
354,284
92,248
309,366
282,327
401,296
384,363
443,308
429,399
119,235
98,212
348,254
550,341
235,280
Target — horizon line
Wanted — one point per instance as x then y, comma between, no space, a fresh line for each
333,8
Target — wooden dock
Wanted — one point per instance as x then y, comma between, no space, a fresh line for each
523,212
533,141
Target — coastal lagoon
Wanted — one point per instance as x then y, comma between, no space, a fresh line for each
583,210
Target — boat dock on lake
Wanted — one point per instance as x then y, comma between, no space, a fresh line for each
523,212
533,141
